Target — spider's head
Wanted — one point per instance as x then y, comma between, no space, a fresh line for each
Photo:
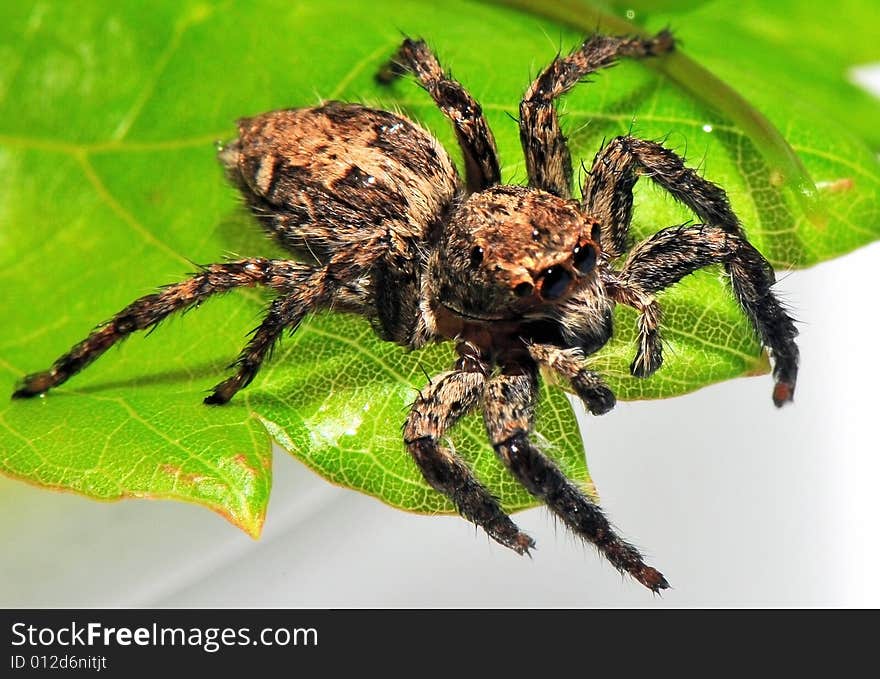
511,252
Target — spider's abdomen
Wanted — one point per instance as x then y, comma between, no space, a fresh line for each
329,179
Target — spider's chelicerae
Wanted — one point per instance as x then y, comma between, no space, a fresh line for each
517,276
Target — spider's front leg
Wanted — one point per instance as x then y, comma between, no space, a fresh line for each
303,285
548,160
672,253
508,413
474,136
440,405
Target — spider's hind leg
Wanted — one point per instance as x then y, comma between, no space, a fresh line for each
284,313
150,310
474,136
508,412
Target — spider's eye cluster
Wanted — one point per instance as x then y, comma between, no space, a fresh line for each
554,281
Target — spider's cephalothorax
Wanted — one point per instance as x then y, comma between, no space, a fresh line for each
518,276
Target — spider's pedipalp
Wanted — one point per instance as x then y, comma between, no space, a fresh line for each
508,414
440,405
589,386
672,253
548,160
474,135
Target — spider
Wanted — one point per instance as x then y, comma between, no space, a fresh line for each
517,276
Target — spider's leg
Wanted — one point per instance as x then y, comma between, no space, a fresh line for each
508,413
284,313
608,197
442,403
474,136
548,161
589,386
673,253
649,355
148,311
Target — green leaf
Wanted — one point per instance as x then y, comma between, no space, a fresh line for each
108,113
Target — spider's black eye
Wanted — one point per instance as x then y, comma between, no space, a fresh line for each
523,289
476,256
554,282
584,258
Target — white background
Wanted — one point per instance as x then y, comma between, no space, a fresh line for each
738,504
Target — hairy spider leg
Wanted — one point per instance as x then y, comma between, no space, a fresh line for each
649,354
284,313
508,415
474,136
440,405
548,160
300,283
335,284
658,263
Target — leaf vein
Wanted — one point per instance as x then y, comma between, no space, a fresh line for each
121,212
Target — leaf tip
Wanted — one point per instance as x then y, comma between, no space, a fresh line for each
250,523
761,366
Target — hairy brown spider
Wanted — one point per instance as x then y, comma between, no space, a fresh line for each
516,276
